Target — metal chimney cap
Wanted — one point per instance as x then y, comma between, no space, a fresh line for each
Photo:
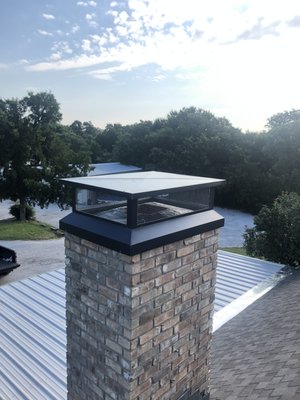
137,184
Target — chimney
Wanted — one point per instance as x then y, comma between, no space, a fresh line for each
140,275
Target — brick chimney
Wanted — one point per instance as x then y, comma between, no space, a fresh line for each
140,299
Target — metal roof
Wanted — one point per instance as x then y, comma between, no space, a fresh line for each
33,325
240,281
111,168
33,338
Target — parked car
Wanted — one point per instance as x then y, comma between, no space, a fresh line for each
8,261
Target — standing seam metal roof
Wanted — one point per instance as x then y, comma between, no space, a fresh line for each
33,338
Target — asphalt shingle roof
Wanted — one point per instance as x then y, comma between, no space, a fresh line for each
256,355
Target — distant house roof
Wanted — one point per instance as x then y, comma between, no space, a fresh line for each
111,168
33,325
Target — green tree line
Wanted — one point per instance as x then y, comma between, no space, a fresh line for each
257,166
36,149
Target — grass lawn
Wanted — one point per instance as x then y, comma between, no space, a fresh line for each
237,250
10,229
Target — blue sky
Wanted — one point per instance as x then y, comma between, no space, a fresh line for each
125,61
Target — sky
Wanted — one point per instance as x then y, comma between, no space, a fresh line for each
126,61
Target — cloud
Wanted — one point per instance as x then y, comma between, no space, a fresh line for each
45,33
90,20
3,66
121,18
107,73
184,37
159,78
86,45
99,40
258,30
75,28
81,61
295,22
89,17
56,56
159,50
87,3
103,76
48,16
59,49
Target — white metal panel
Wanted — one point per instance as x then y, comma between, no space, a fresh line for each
238,274
33,338
240,281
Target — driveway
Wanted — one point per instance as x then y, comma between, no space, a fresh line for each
50,215
35,256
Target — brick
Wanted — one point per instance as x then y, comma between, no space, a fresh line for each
169,304
192,239
134,280
183,288
89,302
165,278
183,306
192,276
149,335
165,257
152,253
185,250
172,265
200,245
164,335
185,270
211,240
190,294
173,246
169,286
140,325
113,346
170,323
190,258
140,266
89,244
150,274
113,283
150,295
163,317
208,276
108,293
149,315
95,255
159,301
140,330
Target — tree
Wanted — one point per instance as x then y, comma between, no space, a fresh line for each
282,149
283,118
276,231
34,153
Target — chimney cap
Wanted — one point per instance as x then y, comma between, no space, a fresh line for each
134,185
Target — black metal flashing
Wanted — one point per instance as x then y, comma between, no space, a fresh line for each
143,238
